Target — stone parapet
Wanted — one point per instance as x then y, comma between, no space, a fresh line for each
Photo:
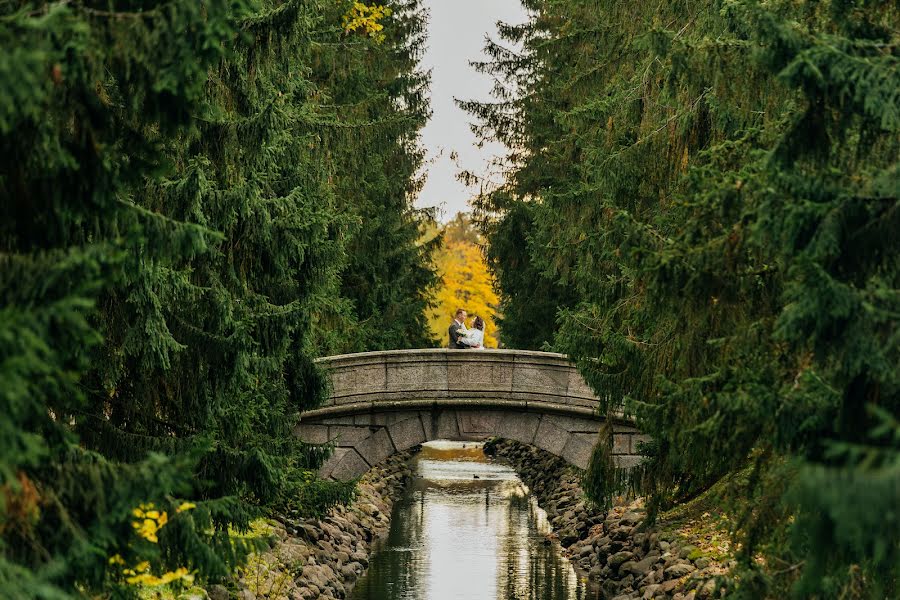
442,373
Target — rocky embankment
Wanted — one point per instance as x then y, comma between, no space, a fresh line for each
616,548
323,558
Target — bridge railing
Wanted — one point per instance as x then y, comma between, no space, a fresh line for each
516,376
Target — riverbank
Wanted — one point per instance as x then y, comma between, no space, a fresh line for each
669,561
322,558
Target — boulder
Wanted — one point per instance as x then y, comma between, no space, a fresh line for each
218,592
679,570
641,568
632,518
618,558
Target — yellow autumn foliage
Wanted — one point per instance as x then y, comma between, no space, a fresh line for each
149,521
367,20
465,282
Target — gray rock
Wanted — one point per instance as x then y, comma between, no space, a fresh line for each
702,562
312,577
639,569
567,537
308,531
218,592
708,589
679,570
302,593
618,558
328,573
610,588
668,586
604,541
626,567
632,518
654,577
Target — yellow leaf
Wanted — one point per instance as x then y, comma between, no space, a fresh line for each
465,283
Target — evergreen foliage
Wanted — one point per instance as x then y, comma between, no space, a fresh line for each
712,189
174,239
388,278
530,299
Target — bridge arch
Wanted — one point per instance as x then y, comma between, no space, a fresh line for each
386,402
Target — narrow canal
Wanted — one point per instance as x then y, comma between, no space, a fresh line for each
467,529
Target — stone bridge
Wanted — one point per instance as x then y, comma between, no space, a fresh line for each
387,402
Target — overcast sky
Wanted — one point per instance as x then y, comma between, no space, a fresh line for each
456,33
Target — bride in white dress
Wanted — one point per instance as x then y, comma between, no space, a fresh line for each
474,337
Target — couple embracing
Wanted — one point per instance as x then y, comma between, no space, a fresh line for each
462,338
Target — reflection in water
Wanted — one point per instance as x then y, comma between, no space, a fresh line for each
466,529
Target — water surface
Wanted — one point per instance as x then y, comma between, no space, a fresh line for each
467,529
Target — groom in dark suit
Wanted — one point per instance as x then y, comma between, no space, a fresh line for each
455,330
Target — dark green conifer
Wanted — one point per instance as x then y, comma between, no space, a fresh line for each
714,183
173,236
380,101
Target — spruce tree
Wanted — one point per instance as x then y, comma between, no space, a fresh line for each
173,240
379,98
714,183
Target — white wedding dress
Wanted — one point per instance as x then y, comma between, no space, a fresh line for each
474,338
